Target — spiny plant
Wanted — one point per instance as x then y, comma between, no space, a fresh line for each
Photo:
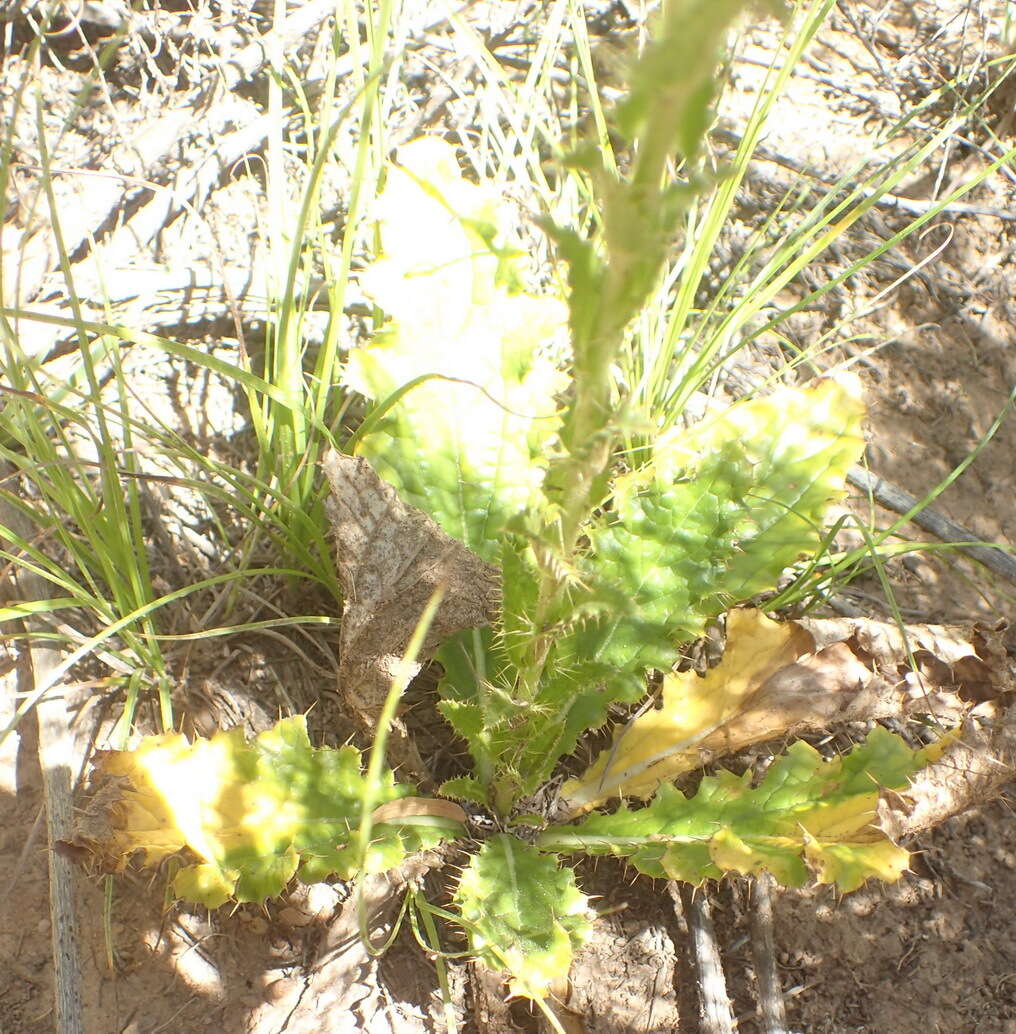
500,414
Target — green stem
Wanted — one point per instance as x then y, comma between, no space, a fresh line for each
377,754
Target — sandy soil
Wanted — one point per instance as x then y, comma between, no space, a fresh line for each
933,953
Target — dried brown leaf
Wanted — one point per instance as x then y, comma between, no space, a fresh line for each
856,669
415,807
779,680
974,768
391,558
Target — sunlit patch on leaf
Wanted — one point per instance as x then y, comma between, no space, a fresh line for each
806,816
255,813
470,446
715,517
523,913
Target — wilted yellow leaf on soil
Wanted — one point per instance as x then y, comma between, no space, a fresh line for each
664,742
778,679
246,816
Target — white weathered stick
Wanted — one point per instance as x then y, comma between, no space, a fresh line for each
717,1015
57,753
763,950
158,300
912,206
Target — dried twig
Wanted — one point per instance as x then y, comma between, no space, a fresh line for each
893,498
56,755
162,300
881,199
246,63
717,1014
763,949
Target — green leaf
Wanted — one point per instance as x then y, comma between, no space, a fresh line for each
464,788
517,735
473,700
806,815
715,517
469,443
255,813
523,914
205,884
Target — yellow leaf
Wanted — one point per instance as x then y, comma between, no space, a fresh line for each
849,865
665,742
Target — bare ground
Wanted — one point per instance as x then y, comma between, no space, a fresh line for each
931,954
